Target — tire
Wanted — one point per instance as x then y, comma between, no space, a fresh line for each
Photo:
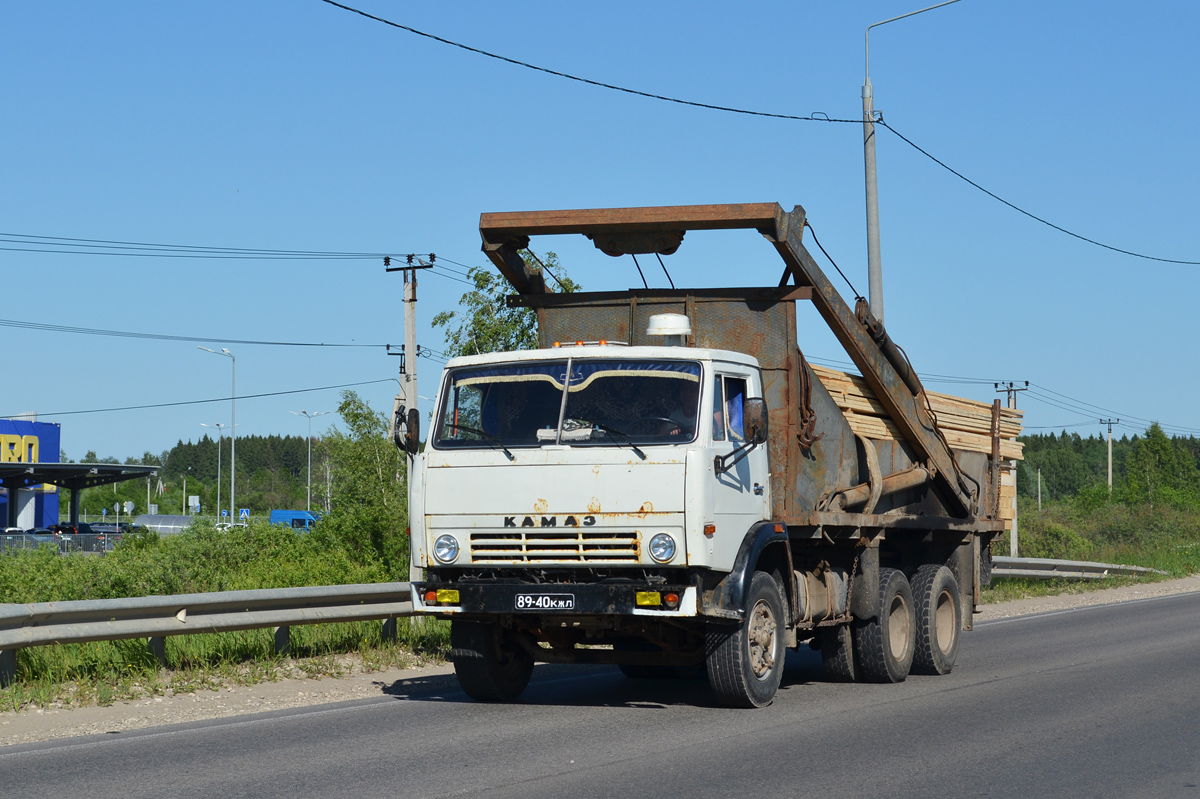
985,565
883,646
489,664
837,653
939,622
745,662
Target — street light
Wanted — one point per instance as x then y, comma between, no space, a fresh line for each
232,431
874,269
220,429
310,417
185,477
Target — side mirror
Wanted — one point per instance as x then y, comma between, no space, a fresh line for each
398,425
754,419
412,436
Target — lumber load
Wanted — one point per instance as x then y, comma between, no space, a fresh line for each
966,424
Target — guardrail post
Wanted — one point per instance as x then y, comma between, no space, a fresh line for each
8,667
389,631
283,640
158,648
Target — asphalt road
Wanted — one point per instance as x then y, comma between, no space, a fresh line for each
1094,702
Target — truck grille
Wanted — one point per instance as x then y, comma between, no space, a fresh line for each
545,547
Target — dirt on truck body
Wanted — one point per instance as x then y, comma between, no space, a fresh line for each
667,484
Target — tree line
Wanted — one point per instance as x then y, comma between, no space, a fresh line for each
1147,468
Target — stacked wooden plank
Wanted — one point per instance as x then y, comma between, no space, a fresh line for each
966,424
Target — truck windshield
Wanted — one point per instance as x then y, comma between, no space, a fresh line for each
608,403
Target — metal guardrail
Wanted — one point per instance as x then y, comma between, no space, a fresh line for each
1047,568
154,617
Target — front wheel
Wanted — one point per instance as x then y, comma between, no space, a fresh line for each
745,662
489,663
883,646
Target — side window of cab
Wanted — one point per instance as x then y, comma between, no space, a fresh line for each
729,394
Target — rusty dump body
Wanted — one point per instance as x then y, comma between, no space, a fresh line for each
827,483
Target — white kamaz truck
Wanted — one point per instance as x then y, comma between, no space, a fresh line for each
666,486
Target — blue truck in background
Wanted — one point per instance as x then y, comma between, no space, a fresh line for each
299,519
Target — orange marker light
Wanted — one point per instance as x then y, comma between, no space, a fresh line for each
710,529
431,596
556,344
671,599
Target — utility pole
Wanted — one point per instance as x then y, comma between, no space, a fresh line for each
1039,489
874,268
1011,389
408,398
1110,423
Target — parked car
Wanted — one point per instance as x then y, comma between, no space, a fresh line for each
41,535
80,528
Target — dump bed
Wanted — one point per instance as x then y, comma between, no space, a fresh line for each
841,446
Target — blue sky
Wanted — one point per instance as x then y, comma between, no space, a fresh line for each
301,126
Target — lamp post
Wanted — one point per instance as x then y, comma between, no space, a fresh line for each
220,429
232,431
874,268
185,477
310,417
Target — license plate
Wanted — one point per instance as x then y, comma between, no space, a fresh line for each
545,601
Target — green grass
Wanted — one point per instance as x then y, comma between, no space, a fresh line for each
1156,537
197,561
103,672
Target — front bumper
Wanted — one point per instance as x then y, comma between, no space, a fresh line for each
604,599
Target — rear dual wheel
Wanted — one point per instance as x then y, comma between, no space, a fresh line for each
935,593
884,646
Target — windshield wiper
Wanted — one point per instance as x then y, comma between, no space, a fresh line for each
496,443
620,434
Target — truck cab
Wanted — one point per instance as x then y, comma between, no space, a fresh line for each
620,467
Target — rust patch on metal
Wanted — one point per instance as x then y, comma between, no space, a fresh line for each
594,505
541,506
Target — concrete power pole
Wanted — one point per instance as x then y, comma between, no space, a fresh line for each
874,268
408,398
1110,423
1011,389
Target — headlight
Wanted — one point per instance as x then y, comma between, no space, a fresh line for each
445,548
662,547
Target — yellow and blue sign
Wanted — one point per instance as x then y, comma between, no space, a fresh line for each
31,442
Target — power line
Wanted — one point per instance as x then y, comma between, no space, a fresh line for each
1058,400
588,81
214,399
1020,210
91,331
857,296
64,245
815,117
